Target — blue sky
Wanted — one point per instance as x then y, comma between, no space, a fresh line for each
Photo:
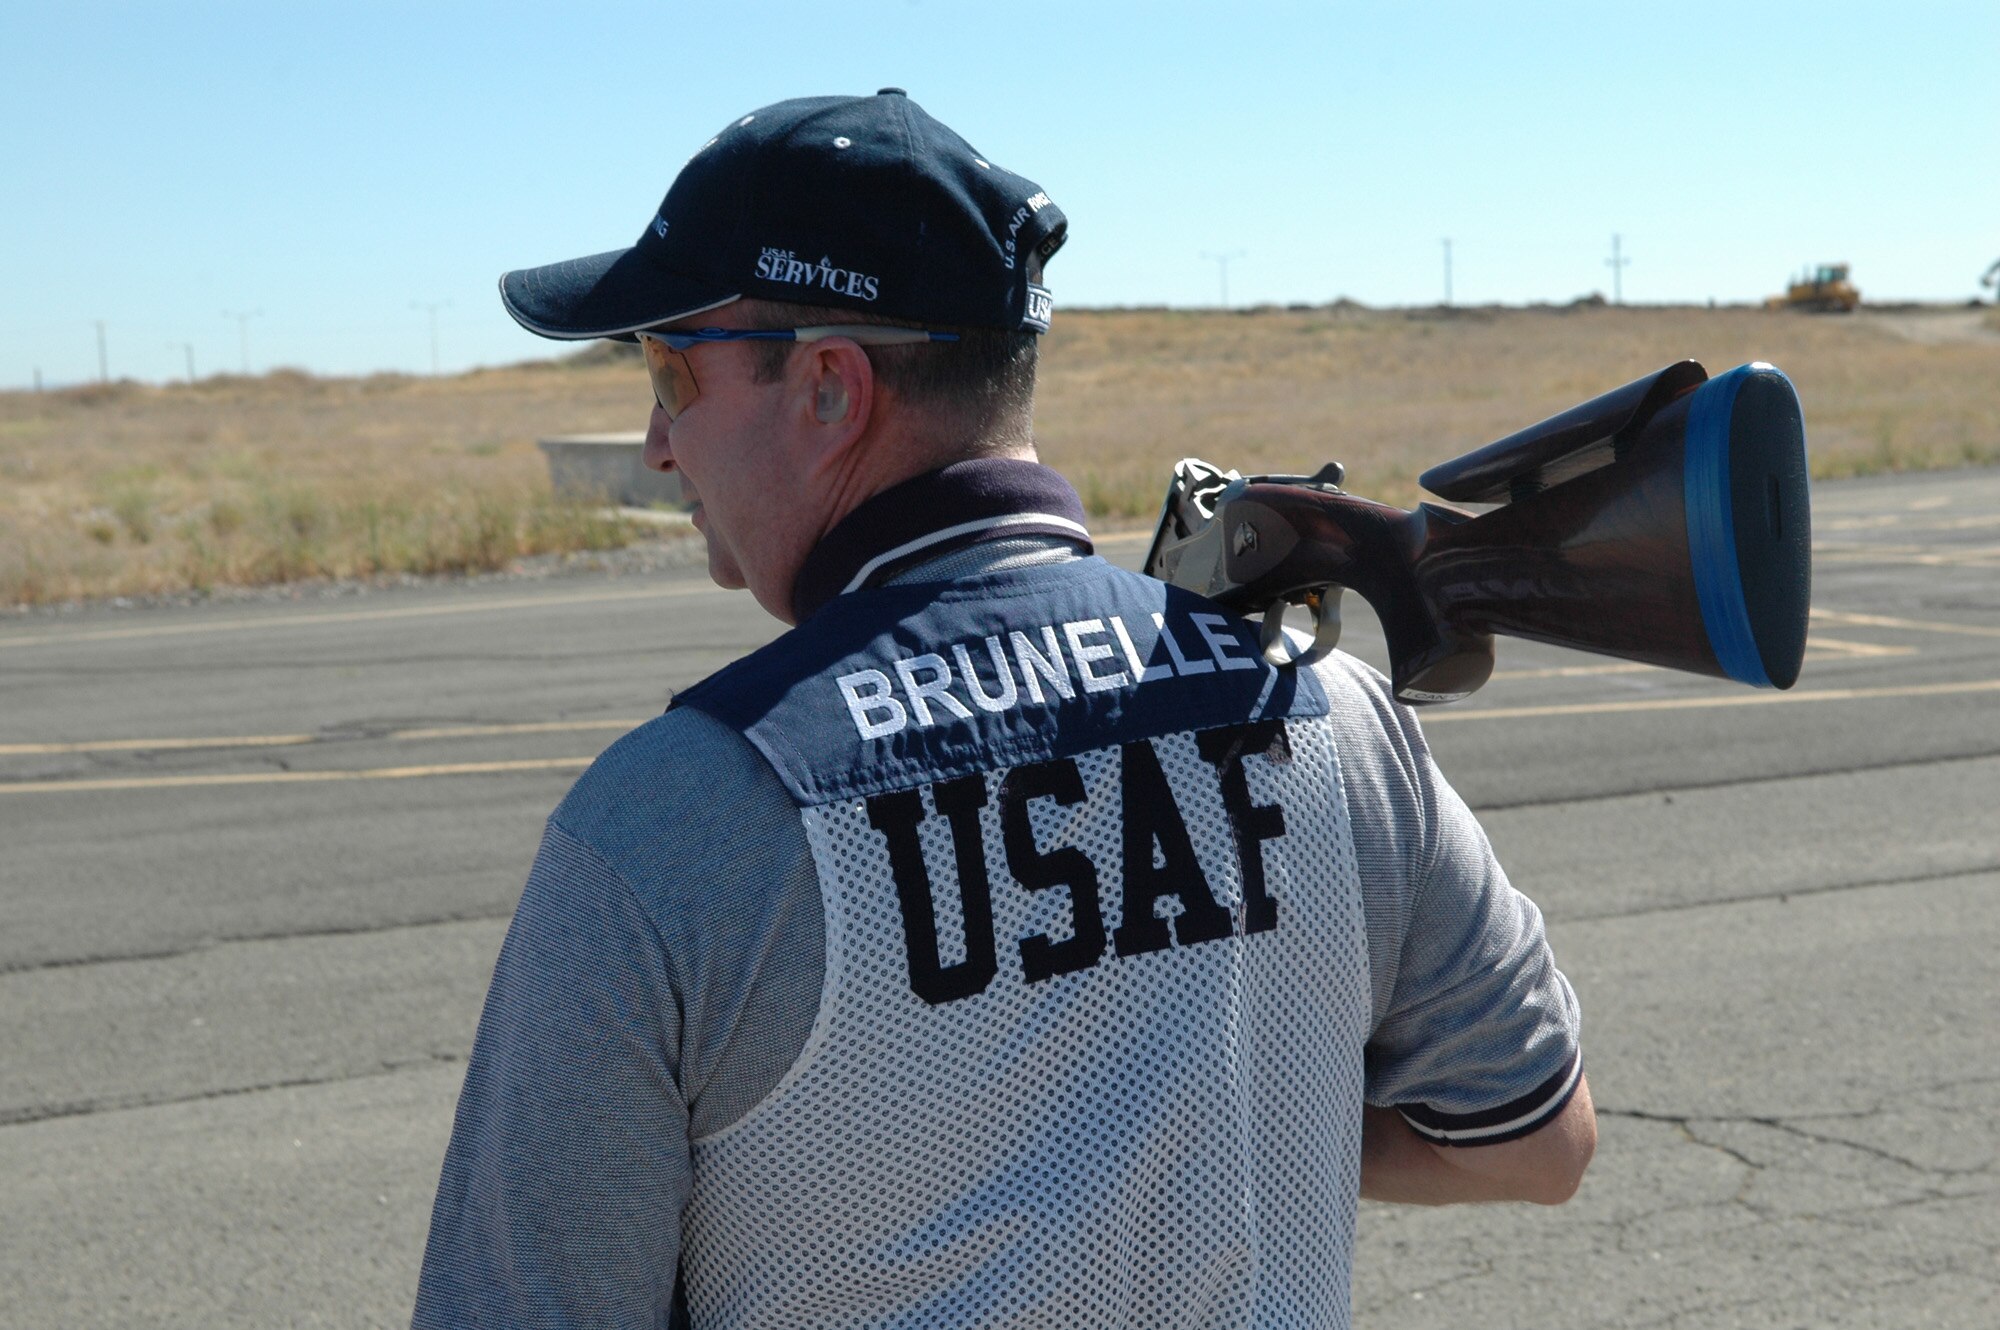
329,166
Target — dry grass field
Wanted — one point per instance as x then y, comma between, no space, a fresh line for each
127,489
1393,393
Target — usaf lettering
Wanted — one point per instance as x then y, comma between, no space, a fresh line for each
1159,863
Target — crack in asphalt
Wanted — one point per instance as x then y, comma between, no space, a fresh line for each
1862,1147
27,1115
1783,894
227,749
1973,1260
235,939
1686,1124
1934,1183
1856,1216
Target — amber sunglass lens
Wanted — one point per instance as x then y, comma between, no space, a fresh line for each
673,380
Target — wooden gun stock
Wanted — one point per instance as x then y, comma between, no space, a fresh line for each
1666,522
1286,541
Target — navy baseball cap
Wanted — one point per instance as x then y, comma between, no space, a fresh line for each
862,203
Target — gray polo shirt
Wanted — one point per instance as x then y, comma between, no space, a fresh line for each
663,975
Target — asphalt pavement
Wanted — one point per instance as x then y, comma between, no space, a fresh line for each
259,858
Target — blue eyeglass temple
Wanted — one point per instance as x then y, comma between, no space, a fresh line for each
869,334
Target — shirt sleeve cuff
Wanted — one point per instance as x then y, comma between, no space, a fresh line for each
1508,1122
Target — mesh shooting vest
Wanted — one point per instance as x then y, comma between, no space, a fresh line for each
1089,1046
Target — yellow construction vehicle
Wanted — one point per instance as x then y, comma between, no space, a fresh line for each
1821,290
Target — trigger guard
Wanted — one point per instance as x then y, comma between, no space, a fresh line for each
1271,637
1278,650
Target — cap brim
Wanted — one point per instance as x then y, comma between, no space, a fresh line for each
613,294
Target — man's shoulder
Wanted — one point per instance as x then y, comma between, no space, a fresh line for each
1371,724
1358,684
675,783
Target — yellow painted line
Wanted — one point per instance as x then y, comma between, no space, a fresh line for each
296,777
1886,521
522,727
145,745
1839,647
1860,549
1972,559
1574,671
354,616
1745,699
288,740
1832,646
1915,625
1916,555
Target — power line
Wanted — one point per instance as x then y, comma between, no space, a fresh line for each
432,307
1221,262
243,318
1617,263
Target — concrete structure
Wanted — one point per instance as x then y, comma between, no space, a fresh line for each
607,467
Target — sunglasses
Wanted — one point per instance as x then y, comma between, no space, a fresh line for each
673,378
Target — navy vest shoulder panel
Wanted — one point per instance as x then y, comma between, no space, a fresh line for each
899,685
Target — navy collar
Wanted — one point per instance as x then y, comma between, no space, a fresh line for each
986,498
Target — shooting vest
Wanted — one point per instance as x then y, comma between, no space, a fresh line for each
1089,1047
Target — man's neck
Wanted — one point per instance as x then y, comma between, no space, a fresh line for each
883,460
932,513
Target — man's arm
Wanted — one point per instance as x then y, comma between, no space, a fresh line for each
561,1194
1544,1166
660,977
1474,1089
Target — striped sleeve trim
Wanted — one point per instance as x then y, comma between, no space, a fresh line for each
1508,1122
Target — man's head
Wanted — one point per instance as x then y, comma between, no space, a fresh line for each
818,211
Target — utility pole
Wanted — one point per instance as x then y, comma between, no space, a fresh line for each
103,361
1221,262
38,378
432,307
1617,263
243,318
1447,273
189,348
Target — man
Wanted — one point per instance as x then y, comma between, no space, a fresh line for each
1008,944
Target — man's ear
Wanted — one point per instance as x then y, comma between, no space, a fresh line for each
840,390
830,401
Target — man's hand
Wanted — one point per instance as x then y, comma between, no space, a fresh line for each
1544,1167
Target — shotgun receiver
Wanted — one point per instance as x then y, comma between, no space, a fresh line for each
1667,521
